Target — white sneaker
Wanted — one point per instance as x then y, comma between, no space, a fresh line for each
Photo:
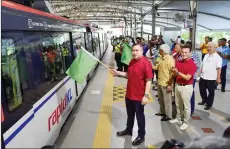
184,126
174,121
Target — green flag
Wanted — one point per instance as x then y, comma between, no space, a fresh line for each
126,56
81,66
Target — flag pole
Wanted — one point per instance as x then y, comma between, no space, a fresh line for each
104,65
96,59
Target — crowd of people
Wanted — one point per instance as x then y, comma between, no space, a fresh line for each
177,69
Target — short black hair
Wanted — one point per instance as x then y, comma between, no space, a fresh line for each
224,39
138,44
187,46
188,43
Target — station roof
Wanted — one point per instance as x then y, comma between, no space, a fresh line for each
212,15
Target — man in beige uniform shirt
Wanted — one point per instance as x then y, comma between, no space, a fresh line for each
164,88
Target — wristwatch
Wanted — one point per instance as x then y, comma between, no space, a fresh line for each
147,95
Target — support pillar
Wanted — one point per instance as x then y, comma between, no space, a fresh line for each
135,26
153,18
193,15
141,27
131,26
141,20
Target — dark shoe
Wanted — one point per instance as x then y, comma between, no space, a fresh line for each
124,133
159,114
222,89
207,107
165,118
138,141
201,103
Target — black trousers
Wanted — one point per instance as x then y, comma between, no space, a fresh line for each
132,108
223,76
118,61
209,85
125,67
2,142
156,72
202,57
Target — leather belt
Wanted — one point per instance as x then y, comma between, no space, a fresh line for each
182,84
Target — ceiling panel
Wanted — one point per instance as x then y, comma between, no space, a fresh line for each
217,16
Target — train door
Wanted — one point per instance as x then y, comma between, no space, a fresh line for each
99,41
13,104
96,45
89,42
10,73
89,48
78,43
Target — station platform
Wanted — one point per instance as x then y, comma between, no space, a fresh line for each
101,113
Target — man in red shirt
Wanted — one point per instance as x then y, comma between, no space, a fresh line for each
184,71
139,77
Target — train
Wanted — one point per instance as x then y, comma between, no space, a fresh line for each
37,96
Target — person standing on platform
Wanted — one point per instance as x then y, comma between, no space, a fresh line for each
124,44
203,47
224,53
185,70
163,87
138,40
210,76
145,46
229,44
118,56
195,57
139,77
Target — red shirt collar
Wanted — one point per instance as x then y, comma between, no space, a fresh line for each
138,58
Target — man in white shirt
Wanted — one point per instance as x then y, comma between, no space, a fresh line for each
210,75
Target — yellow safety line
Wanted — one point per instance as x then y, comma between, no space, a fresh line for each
152,146
103,131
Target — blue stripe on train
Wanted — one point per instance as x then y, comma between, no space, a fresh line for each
14,134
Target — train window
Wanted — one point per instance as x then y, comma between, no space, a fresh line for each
10,73
96,45
32,64
88,40
78,42
62,48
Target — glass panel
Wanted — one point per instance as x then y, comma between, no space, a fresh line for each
96,45
88,40
78,42
101,42
10,72
105,40
32,64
